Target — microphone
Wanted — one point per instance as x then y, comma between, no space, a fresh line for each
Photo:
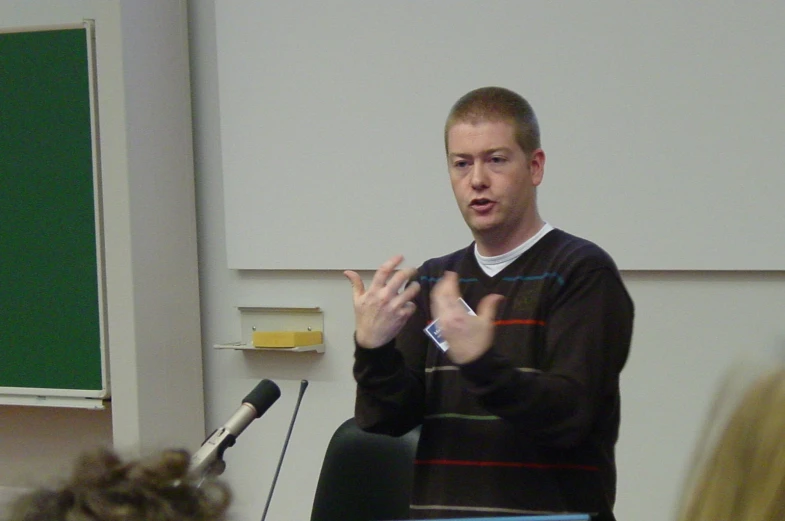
303,385
209,458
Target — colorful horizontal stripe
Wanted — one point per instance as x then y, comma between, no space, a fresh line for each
455,368
461,416
513,322
426,278
514,464
522,321
441,368
546,275
521,515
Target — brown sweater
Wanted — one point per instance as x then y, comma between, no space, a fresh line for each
531,425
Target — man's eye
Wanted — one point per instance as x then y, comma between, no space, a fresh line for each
461,164
498,159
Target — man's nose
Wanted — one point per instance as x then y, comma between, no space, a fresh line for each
479,177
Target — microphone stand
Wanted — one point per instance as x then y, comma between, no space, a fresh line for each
303,385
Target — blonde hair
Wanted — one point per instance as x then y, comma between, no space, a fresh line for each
497,104
104,488
741,477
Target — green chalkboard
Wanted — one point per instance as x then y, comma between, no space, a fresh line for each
50,329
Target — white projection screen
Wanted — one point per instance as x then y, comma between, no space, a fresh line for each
661,123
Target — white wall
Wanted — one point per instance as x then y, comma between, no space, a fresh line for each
38,442
165,391
688,326
689,329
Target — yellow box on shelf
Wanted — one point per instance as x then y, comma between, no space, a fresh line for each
286,339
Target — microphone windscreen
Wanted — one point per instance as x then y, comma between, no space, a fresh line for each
263,396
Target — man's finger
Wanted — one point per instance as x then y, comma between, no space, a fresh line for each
407,310
358,288
447,287
385,270
405,297
400,278
445,294
488,306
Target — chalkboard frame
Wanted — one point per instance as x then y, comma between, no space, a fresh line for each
27,382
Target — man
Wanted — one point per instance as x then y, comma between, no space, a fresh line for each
520,414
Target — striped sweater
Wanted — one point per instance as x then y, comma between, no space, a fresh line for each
531,425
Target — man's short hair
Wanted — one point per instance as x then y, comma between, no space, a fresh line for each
497,104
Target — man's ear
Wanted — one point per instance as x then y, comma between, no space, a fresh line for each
537,166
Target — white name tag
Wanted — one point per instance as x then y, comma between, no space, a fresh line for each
433,331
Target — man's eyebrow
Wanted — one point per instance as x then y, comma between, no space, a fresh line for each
484,152
497,149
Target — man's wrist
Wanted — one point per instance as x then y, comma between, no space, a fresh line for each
364,344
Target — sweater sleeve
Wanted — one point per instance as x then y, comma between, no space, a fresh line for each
588,333
390,380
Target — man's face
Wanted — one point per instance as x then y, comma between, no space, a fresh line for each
493,181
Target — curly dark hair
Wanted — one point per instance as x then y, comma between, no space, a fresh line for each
105,488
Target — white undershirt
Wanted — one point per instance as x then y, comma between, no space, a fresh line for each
493,265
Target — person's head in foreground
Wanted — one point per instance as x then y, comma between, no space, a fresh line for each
103,487
741,475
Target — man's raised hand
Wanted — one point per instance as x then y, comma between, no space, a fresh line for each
381,311
469,336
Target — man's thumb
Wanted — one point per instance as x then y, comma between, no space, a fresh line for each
358,288
488,306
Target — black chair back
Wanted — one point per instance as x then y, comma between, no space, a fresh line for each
364,476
